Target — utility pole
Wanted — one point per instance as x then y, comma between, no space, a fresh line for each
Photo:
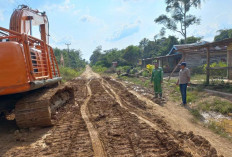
68,53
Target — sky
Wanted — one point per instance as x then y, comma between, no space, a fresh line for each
87,24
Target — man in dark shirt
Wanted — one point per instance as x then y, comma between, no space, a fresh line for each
183,81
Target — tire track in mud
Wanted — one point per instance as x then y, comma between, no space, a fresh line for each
112,93
197,145
68,137
96,143
123,133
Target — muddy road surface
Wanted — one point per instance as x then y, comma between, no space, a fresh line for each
105,119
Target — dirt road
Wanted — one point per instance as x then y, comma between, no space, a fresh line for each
105,120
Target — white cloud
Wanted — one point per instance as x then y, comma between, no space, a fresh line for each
87,18
11,1
59,41
125,31
66,5
91,19
76,12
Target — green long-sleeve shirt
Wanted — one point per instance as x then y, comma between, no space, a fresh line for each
157,75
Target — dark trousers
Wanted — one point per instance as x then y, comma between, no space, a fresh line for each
183,91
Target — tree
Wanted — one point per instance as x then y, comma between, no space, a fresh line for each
96,55
73,60
143,43
132,54
159,47
179,10
223,34
191,40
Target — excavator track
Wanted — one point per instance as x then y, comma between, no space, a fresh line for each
39,107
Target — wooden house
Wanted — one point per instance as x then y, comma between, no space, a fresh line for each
194,58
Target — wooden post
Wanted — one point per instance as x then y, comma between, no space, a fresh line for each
162,63
229,61
182,59
208,65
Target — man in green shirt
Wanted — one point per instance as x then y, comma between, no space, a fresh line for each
157,80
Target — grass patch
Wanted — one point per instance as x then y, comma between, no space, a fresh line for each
218,130
217,105
69,73
175,93
198,77
193,96
137,81
220,86
196,114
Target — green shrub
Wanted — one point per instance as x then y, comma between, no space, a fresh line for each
123,69
69,73
218,73
99,69
145,73
133,71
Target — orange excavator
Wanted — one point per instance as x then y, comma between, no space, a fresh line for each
29,73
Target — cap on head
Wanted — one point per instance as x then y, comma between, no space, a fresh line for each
184,64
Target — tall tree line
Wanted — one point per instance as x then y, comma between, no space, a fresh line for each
146,49
72,58
131,54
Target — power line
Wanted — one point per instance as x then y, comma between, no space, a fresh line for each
68,44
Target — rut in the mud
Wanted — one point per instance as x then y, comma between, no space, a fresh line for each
197,145
124,134
69,136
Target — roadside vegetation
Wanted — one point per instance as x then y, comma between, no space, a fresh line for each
71,64
99,69
216,105
69,73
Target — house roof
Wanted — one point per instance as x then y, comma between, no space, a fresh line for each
197,47
213,46
175,48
